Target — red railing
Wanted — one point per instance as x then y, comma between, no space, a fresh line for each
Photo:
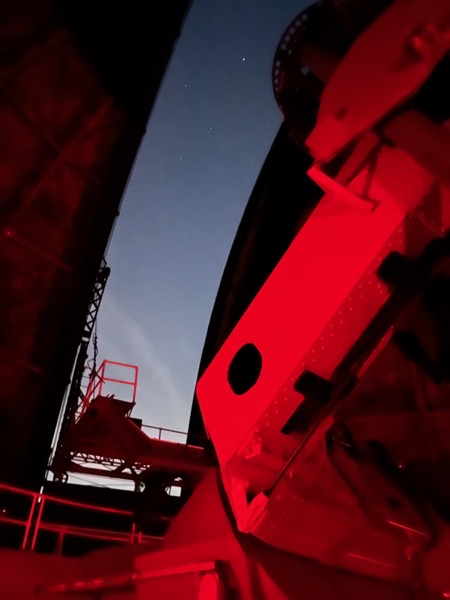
33,505
102,384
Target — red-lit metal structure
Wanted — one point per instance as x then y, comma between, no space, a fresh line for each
325,392
78,79
102,438
124,380
40,531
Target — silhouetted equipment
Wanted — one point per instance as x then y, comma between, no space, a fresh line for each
78,79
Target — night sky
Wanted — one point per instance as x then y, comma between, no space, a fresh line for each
210,130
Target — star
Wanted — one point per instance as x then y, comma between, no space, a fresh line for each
243,59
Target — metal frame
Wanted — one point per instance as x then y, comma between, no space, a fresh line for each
35,522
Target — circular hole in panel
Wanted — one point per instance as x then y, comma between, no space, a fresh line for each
245,369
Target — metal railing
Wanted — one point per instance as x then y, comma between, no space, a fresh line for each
100,380
172,435
26,510
162,433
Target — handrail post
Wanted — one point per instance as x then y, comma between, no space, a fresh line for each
26,534
60,542
38,521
